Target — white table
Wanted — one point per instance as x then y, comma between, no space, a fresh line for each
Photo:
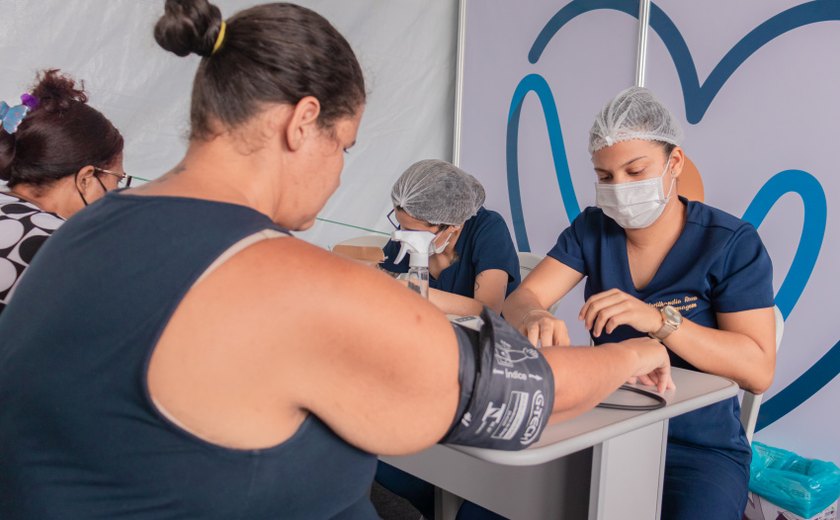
604,464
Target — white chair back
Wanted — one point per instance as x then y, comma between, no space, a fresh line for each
527,263
751,402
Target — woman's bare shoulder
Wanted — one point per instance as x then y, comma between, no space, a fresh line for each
302,278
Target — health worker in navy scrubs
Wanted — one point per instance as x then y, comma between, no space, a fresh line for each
696,278
475,259
474,252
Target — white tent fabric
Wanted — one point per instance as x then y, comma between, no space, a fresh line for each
406,47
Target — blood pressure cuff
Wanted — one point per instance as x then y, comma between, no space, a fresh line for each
507,388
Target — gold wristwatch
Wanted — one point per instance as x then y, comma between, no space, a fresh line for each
671,320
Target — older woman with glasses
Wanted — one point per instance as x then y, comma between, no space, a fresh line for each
474,253
57,155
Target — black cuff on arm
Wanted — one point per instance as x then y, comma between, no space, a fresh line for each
507,388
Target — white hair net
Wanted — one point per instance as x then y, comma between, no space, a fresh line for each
633,114
438,192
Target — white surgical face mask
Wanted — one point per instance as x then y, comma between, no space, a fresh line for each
441,248
634,205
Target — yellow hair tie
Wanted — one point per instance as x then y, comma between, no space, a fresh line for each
220,38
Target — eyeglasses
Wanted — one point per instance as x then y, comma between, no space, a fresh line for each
391,220
396,224
124,179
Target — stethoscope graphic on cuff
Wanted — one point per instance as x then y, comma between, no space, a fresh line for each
659,401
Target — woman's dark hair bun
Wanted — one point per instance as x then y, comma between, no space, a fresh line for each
274,53
58,137
189,26
56,92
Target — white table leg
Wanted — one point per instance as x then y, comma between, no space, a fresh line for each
446,505
627,475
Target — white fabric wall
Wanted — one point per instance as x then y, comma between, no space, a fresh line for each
406,48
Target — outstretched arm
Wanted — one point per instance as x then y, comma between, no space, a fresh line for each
526,308
380,365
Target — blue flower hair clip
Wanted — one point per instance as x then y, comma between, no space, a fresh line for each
11,117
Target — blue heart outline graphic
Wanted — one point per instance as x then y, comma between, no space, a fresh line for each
697,100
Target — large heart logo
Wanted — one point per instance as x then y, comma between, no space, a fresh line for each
697,99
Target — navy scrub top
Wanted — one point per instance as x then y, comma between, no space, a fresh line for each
484,243
718,264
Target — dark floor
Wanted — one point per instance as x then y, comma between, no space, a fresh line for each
390,506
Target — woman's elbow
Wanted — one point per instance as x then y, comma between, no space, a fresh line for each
766,381
761,382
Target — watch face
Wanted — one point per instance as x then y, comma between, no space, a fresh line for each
672,315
